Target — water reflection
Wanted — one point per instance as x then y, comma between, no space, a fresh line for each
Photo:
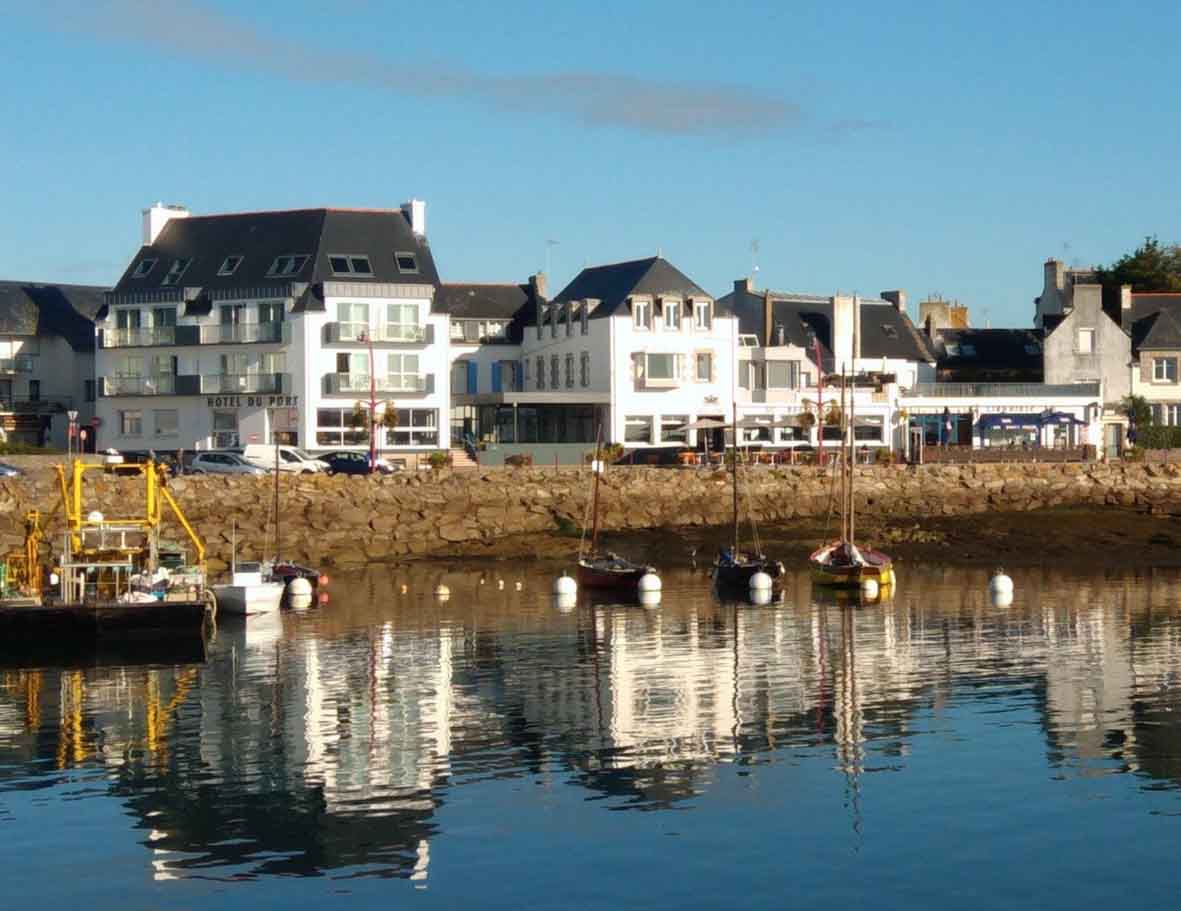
333,740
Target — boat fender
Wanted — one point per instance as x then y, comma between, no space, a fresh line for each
869,588
299,587
650,582
760,596
565,585
1000,582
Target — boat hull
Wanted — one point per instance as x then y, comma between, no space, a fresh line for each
738,574
259,598
600,575
74,623
832,573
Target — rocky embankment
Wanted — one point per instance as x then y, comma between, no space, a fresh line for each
350,521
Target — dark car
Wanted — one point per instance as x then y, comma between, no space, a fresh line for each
346,462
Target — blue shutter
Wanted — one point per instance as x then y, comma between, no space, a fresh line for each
473,374
496,382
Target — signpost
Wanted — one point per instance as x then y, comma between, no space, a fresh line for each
71,433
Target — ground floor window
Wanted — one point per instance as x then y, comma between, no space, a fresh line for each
131,423
672,428
637,428
414,427
167,422
1166,415
339,427
944,429
869,429
531,423
225,429
793,435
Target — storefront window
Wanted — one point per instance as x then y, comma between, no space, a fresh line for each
671,428
637,429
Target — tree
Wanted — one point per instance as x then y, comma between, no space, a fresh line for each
1137,408
1153,266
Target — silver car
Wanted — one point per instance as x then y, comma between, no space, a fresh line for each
222,463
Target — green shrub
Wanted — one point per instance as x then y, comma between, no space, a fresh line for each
521,460
1134,454
1158,437
439,459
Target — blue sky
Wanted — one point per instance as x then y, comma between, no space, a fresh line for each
949,151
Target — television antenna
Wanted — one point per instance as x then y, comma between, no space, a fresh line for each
549,246
754,257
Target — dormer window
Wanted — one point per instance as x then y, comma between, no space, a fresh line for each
703,317
288,264
1033,348
642,314
175,271
672,315
145,266
350,265
407,263
891,331
230,265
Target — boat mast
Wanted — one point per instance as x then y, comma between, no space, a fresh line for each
853,411
842,461
734,475
278,540
595,469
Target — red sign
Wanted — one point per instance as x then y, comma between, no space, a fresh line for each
96,422
254,438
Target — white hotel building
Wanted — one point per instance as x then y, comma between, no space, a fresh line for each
266,327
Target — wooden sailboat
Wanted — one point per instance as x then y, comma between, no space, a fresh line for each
734,567
605,570
842,563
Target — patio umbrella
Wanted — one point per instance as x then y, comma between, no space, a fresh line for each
705,424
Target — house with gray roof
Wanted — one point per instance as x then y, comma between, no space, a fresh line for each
46,358
1153,323
278,326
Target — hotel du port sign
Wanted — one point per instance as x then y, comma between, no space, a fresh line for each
252,401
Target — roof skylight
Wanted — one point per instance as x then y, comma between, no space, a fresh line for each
407,262
288,264
145,266
230,266
350,264
176,270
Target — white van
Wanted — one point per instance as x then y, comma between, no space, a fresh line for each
290,458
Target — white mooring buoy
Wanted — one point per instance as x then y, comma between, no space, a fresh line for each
760,596
869,588
299,587
1000,582
442,592
650,582
650,598
565,585
760,582
565,602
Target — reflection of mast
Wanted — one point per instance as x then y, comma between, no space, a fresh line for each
849,735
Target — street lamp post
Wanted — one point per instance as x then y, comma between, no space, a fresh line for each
71,432
368,340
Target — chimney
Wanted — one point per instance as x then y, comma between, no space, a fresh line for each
415,212
1125,306
897,298
156,217
1055,275
537,284
842,332
767,339
780,335
743,286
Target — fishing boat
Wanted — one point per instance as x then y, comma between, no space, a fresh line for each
843,563
735,567
604,570
113,578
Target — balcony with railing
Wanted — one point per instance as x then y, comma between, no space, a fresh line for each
358,383
19,364
245,383
1004,390
388,333
139,337
245,333
137,385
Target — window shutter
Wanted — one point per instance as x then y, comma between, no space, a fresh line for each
473,377
496,382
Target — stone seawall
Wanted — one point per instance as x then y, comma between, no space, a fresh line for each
348,520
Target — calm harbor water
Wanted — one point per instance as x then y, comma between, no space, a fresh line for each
497,752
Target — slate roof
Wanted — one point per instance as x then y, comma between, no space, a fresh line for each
261,237
482,300
613,284
36,308
1155,321
885,330
981,354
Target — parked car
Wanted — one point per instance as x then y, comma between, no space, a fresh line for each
222,463
346,462
9,471
652,455
290,459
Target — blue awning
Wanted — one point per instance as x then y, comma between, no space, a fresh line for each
1005,421
1057,418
